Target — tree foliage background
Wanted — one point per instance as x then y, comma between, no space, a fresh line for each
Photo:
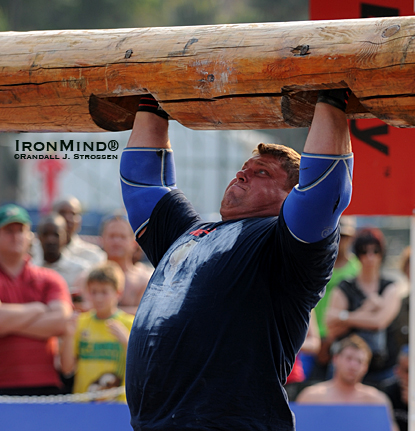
26,15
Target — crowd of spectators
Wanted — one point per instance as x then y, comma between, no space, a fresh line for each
69,287
66,304
362,304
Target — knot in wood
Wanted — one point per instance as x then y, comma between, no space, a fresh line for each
301,50
391,30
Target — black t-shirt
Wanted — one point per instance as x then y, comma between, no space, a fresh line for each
383,357
400,408
221,321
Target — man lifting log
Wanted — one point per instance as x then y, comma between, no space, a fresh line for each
227,308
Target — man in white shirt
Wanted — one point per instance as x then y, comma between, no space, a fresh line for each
70,210
52,237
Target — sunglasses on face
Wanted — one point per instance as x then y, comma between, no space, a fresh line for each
370,250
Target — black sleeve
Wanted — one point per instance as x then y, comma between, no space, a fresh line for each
172,216
308,266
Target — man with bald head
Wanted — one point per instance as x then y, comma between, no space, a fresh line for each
70,209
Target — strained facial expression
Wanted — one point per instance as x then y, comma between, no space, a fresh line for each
258,190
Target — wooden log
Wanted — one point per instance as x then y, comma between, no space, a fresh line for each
245,76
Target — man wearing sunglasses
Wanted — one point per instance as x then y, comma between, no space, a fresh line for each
367,305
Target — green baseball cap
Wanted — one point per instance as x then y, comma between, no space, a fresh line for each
11,213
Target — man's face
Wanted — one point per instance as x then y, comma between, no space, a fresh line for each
118,239
15,239
257,191
72,214
351,365
53,238
371,257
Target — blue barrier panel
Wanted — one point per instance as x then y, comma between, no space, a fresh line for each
116,417
64,417
341,418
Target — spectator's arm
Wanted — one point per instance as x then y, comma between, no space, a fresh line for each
119,331
17,317
382,316
312,343
335,326
51,323
68,360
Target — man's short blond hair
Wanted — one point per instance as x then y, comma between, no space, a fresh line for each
352,341
108,272
288,158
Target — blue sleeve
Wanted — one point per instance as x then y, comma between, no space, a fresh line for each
313,208
147,174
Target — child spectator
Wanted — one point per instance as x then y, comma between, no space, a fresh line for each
95,344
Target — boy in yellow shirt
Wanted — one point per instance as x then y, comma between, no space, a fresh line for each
95,344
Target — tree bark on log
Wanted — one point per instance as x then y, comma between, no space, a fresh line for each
243,76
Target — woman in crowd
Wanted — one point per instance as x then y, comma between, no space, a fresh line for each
367,305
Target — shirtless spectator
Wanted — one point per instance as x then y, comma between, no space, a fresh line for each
119,244
34,305
70,210
351,358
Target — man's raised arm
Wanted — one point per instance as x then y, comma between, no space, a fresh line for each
329,131
147,166
313,208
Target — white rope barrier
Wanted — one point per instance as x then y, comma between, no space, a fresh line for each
103,395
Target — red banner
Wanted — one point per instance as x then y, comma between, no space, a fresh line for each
384,174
